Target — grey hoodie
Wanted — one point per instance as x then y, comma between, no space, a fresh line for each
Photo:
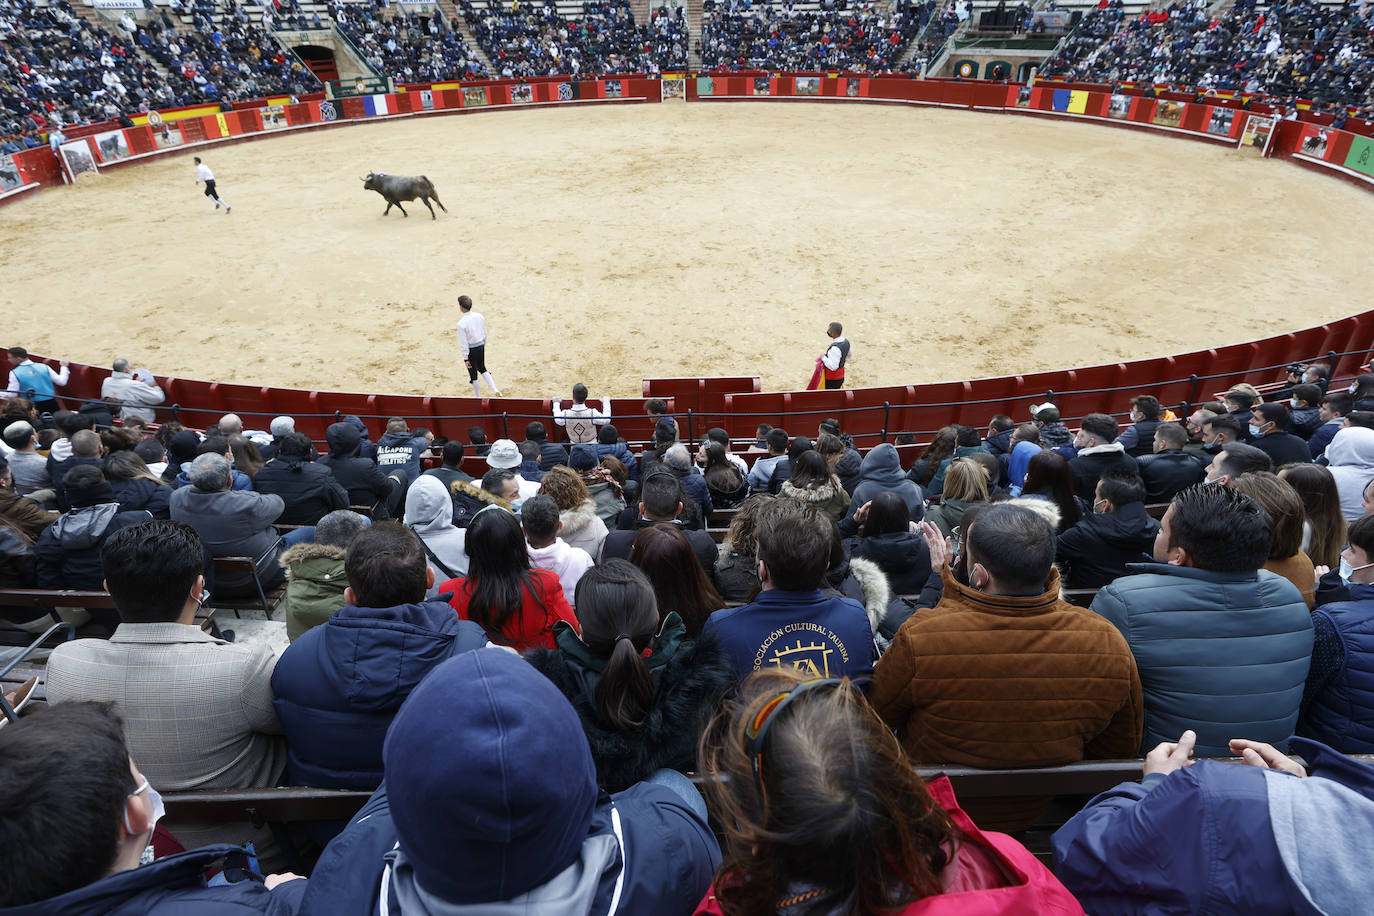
571,892
429,513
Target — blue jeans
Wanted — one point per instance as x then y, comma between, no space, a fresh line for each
298,536
681,786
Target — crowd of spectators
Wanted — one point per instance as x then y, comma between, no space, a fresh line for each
523,40
1290,49
58,68
409,47
866,37
492,655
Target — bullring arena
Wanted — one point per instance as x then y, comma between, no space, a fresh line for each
612,243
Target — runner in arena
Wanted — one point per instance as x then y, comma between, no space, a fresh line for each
204,174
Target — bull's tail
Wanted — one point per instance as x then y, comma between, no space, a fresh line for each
434,195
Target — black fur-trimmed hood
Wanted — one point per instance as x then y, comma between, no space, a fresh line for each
689,677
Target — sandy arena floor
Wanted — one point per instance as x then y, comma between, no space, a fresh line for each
606,244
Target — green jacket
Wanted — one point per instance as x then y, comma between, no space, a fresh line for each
315,583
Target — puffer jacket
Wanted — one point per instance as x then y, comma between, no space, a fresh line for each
1008,681
1339,709
1138,439
1225,654
881,470
173,886
136,494
689,677
999,443
1099,548
315,583
830,499
1350,458
583,527
338,686
429,513
67,554
308,489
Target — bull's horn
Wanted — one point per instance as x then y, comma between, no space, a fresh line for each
364,178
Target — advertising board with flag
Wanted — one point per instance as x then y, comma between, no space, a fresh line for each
375,105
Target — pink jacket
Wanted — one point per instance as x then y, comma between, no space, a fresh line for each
1036,891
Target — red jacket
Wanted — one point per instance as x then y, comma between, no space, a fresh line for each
984,862
532,628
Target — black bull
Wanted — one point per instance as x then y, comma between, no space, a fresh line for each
396,188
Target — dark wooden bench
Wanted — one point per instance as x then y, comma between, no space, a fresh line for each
1071,784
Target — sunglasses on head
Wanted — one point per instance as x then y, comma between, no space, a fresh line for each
756,727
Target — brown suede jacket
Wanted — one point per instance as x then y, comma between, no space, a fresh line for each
992,681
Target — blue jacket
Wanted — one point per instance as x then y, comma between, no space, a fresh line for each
622,453
338,686
1218,838
174,886
1339,706
667,855
1322,437
818,634
1225,654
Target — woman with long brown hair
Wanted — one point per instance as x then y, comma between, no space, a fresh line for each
824,814
680,584
1323,531
939,449
136,487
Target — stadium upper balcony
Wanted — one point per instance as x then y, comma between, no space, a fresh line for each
1291,49
809,35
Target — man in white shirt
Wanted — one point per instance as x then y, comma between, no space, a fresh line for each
580,420
835,356
204,174
132,391
472,337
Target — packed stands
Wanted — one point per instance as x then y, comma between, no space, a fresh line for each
865,37
1293,49
408,47
62,67
595,36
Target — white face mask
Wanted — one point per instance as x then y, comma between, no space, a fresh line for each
1346,570
1293,403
